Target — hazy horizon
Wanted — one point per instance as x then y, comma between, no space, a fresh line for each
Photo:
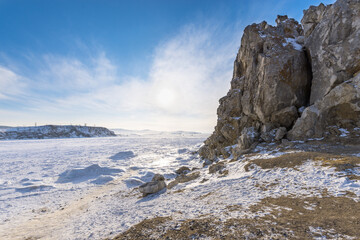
133,65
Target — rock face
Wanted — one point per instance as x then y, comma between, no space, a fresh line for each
55,131
332,39
340,107
271,80
291,81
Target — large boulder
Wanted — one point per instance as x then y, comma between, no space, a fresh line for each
157,184
247,138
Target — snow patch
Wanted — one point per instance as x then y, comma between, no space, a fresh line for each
84,174
123,155
344,132
293,42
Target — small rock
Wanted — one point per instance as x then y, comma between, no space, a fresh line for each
204,180
280,133
188,177
285,117
207,162
216,167
182,170
224,172
266,137
247,138
158,178
183,178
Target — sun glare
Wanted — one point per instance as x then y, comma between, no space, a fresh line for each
165,97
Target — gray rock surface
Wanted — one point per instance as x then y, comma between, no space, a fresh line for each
271,80
183,178
157,184
280,133
292,81
340,107
247,138
332,39
182,170
216,167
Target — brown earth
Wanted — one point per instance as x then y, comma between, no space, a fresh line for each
278,218
341,163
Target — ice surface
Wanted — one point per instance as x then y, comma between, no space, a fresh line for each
53,173
34,203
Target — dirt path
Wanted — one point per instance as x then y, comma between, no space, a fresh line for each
49,225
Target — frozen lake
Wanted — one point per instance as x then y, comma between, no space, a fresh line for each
86,188
39,175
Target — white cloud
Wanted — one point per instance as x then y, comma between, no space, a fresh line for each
189,73
70,74
11,84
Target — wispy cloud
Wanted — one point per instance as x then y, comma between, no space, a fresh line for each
189,73
11,84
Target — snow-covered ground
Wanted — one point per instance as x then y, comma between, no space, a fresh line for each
86,188
38,176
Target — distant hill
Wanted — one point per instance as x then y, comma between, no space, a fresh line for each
54,131
153,133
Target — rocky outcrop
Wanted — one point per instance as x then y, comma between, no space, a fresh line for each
340,107
291,81
55,131
332,39
271,80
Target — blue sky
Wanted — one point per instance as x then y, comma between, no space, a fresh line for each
129,64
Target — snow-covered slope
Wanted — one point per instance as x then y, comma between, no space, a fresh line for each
54,131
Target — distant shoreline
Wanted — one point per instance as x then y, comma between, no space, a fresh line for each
54,131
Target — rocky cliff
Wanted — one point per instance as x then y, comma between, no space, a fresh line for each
53,131
292,81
